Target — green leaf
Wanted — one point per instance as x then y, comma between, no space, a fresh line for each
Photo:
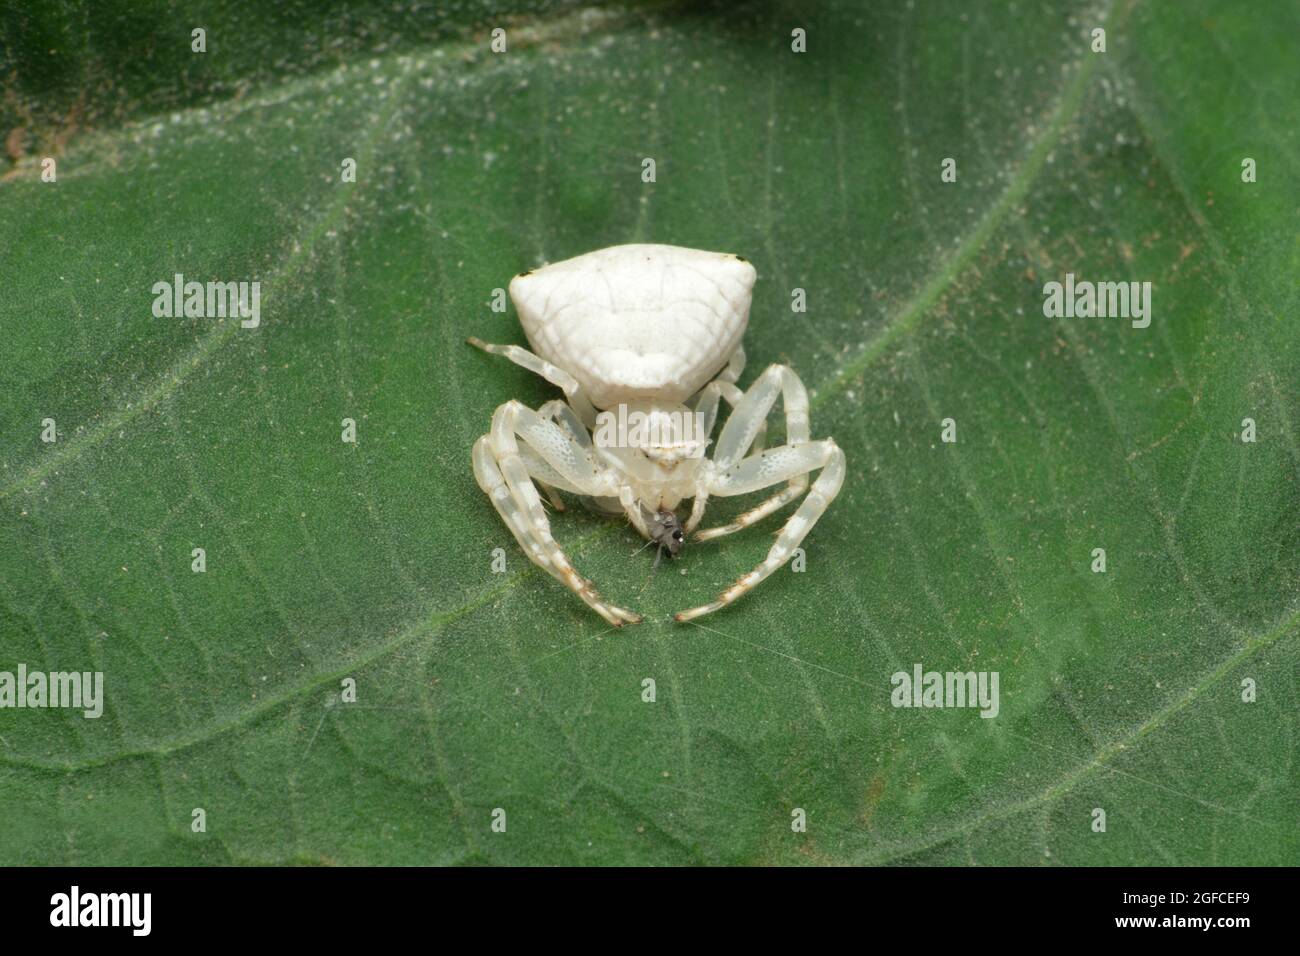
325,560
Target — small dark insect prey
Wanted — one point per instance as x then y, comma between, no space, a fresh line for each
666,531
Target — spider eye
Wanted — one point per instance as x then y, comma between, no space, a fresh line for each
677,536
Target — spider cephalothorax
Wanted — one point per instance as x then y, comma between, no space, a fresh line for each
644,340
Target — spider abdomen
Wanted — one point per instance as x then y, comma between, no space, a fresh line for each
637,322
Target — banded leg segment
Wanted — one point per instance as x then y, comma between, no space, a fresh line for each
566,418
552,373
632,508
745,429
708,405
766,468
502,472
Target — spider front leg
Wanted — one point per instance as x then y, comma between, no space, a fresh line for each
745,431
763,470
564,416
552,373
501,468
724,386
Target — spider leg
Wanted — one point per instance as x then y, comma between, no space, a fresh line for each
757,513
543,475
487,471
632,508
767,468
564,416
735,366
746,430
489,478
552,373
501,469
708,404
697,510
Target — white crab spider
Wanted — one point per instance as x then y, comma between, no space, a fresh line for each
655,329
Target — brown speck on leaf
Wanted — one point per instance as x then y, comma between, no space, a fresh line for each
16,143
874,790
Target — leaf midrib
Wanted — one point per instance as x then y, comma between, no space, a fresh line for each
1099,759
